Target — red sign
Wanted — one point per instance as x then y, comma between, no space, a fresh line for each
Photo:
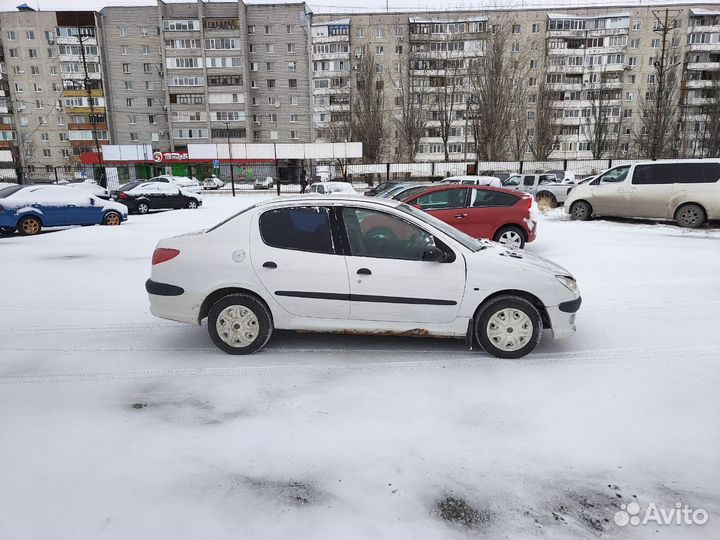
160,157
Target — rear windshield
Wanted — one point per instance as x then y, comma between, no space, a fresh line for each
129,186
9,190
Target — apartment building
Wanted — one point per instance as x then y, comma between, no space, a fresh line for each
56,91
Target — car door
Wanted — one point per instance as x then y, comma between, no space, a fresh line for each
651,188
488,210
448,205
609,194
50,202
82,209
528,183
389,281
512,181
166,195
295,255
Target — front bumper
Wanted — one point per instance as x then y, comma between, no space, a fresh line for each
562,319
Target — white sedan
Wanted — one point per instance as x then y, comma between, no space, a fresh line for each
332,188
473,180
360,265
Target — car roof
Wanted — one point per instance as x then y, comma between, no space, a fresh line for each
321,200
442,187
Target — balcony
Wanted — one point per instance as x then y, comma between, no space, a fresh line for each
698,47
704,66
330,39
331,56
699,84
89,58
82,93
699,101
327,73
329,91
73,40
81,76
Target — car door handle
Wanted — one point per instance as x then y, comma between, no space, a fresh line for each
364,272
269,264
461,216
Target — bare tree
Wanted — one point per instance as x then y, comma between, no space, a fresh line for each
601,131
658,134
368,123
547,129
412,119
498,96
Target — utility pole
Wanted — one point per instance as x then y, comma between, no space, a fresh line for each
232,174
88,90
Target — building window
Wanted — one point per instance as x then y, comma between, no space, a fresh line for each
360,33
292,66
149,102
291,48
30,35
270,83
516,47
379,50
293,118
11,35
257,135
269,66
146,49
128,102
32,53
123,50
38,87
655,44
293,100
126,68
535,28
379,32
294,134
128,85
147,68
13,53
251,30
272,117
636,25
123,31
144,31
53,70
269,48
515,28
134,136
46,151
292,83
34,70
268,30
290,29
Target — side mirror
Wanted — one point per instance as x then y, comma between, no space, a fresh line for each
434,254
595,182
92,201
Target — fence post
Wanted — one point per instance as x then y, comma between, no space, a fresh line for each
56,175
564,164
387,172
432,168
609,163
521,166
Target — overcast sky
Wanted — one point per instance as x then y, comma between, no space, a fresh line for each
348,5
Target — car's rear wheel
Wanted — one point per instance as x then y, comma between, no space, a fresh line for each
143,208
511,236
192,204
690,215
29,226
112,218
508,327
581,211
239,324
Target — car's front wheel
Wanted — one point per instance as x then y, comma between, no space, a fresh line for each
29,226
690,215
6,230
508,327
112,218
581,211
143,208
239,324
511,236
192,204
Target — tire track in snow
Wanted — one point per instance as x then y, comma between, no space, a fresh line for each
608,357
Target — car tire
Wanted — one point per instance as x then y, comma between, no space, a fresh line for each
546,198
29,226
510,236
690,216
239,324
6,230
581,211
508,327
112,218
192,204
142,208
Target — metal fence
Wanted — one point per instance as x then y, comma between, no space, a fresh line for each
287,175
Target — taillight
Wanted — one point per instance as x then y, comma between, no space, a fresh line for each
160,255
122,195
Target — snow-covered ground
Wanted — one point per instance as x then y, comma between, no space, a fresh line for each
115,424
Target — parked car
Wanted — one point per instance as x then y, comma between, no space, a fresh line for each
686,191
184,182
481,211
28,208
542,186
263,182
473,180
393,192
212,182
141,197
563,177
92,188
331,188
303,263
382,186
499,175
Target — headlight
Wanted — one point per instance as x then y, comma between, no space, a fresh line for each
569,283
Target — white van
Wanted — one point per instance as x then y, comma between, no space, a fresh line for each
686,190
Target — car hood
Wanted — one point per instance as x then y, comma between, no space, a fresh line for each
524,259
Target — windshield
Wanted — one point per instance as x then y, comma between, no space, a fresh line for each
410,192
9,191
129,186
468,241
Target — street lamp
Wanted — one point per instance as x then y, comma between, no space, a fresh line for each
232,175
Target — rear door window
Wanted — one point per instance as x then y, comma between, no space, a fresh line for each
305,228
484,198
441,200
529,180
676,173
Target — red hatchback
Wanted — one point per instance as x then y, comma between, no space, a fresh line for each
498,214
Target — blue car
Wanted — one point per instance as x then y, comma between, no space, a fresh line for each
29,208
